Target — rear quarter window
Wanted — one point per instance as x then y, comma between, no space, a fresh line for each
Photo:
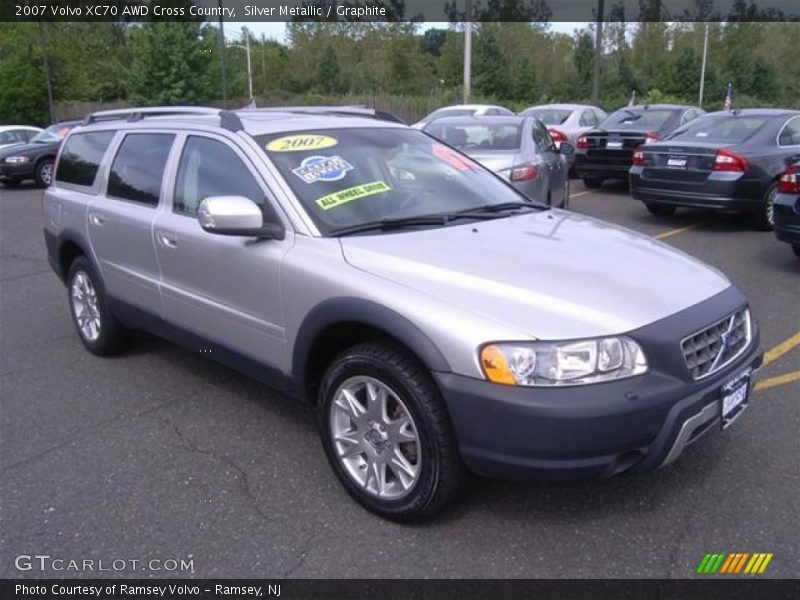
81,157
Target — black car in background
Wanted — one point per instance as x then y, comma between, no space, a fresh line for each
606,151
35,159
724,160
787,208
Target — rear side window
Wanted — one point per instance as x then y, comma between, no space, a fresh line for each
588,118
138,168
81,156
210,168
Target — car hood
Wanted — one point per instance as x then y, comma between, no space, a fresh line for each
25,148
551,275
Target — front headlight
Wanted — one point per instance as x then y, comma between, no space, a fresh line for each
562,363
15,160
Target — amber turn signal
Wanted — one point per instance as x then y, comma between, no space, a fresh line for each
495,366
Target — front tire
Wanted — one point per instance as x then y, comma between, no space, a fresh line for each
99,329
44,172
387,434
796,250
660,210
764,219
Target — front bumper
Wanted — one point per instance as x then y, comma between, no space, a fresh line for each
16,171
721,191
599,430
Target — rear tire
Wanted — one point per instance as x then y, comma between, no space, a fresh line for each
593,183
387,434
44,172
764,219
660,210
99,330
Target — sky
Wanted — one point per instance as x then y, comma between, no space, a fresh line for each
277,31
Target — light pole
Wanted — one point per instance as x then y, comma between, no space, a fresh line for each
467,51
246,48
703,68
598,53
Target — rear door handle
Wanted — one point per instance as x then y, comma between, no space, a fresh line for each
96,219
167,238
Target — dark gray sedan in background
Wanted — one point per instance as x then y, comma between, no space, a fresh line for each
724,160
606,152
518,149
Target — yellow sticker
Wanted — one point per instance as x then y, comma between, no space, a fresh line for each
298,143
352,193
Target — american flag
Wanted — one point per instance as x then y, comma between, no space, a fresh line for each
729,97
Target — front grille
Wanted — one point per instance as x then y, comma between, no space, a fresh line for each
710,349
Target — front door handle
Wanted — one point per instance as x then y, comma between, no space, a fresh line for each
96,219
167,238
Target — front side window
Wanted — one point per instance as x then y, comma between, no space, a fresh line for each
726,129
588,118
349,177
138,168
542,137
81,156
210,168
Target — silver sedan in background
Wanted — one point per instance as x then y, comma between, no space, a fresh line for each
463,110
566,122
518,149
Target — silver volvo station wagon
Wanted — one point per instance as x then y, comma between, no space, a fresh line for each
439,320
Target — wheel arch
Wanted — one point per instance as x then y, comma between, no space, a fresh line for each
339,323
69,248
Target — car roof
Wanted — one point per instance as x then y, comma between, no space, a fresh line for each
754,112
562,106
468,106
28,127
490,120
656,107
255,122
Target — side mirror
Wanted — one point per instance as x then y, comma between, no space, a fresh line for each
566,149
236,215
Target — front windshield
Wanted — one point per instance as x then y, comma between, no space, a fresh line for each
729,130
548,116
477,137
349,177
629,118
54,133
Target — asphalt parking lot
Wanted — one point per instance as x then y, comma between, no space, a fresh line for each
162,454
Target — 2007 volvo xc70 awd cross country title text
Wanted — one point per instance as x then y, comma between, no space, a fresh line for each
437,318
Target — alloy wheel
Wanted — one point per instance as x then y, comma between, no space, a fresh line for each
84,306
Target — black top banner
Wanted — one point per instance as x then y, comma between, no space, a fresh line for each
401,10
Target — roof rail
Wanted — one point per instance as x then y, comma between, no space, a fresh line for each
228,119
359,111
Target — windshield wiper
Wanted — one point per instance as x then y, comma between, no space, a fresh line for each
492,208
441,219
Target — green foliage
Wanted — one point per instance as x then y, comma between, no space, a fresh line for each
515,63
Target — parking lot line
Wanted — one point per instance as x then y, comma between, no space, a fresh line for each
778,380
672,232
579,194
781,349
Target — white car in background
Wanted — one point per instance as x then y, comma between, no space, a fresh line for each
464,110
11,135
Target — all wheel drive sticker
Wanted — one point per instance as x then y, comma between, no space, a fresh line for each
319,168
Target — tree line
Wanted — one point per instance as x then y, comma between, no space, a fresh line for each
516,64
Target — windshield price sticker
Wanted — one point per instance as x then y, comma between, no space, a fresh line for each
300,143
452,158
322,168
352,193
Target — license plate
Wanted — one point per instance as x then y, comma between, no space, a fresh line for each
614,144
677,163
734,396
